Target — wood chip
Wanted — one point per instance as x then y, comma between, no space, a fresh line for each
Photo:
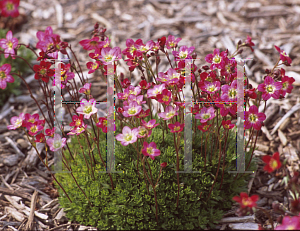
282,138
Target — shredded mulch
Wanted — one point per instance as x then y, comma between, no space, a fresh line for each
27,196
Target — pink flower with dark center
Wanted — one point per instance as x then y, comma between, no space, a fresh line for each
171,42
177,127
206,114
9,44
87,108
253,118
270,88
169,113
285,58
5,76
16,122
128,136
56,143
183,53
90,44
9,8
150,150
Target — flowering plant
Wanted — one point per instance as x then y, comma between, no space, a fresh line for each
214,109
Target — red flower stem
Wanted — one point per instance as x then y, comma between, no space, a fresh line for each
158,176
251,134
166,53
82,81
33,97
275,66
1,52
34,146
177,167
205,150
224,155
138,157
87,164
28,47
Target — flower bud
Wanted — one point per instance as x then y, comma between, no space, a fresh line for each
267,71
199,71
205,67
122,77
152,53
148,56
240,42
96,26
143,78
250,86
240,51
157,60
194,55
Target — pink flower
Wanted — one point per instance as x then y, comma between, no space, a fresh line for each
56,143
289,223
270,88
169,113
9,44
143,114
90,44
206,114
144,48
78,130
286,83
132,110
284,56
216,59
128,136
150,150
143,132
132,48
152,93
134,98
93,66
149,125
77,121
171,42
229,92
249,43
102,124
143,84
253,118
211,88
16,122
87,108
5,76
204,127
86,88
172,77
226,108
177,127
31,118
9,8
108,55
183,53
40,138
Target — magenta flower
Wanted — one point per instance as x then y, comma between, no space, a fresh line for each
128,136
210,88
132,48
206,114
249,43
56,143
284,56
40,138
225,108
16,122
171,42
169,113
172,77
144,48
5,76
90,44
109,54
149,125
163,165
102,124
270,88
33,129
87,108
253,118
183,53
134,98
229,92
78,130
50,132
9,44
177,127
93,66
77,121
150,150
165,97
47,41
289,223
31,118
9,8
216,59
227,124
286,83
132,110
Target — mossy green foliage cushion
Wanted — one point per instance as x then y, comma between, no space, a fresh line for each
129,206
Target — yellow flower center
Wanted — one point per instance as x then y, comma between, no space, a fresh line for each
132,49
165,98
217,59
88,109
171,44
132,111
57,144
285,85
31,120
284,54
270,89
9,6
94,67
128,137
108,58
150,150
182,55
10,45
2,75
273,164
206,116
232,93
170,114
177,128
211,88
245,201
253,118
33,129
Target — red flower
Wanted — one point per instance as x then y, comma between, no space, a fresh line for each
177,127
90,44
246,201
249,43
284,56
204,127
227,124
254,118
40,138
273,162
43,71
270,88
9,8
102,124
164,164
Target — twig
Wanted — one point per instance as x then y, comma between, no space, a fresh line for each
28,226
